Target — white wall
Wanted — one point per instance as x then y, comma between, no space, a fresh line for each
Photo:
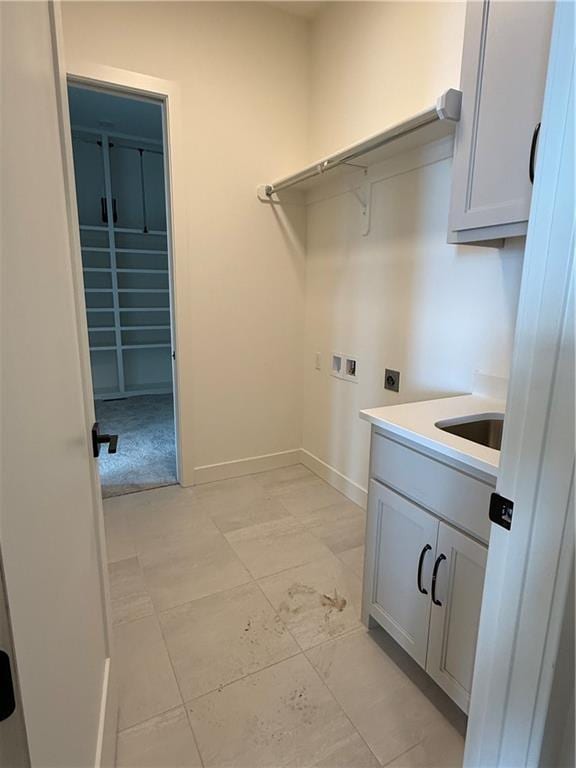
263,90
375,63
243,73
401,297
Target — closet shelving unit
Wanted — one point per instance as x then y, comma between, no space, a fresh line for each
125,263
433,124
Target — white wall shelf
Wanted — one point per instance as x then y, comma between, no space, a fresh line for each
431,125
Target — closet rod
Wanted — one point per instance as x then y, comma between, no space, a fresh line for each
447,108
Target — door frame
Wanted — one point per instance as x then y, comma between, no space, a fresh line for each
167,93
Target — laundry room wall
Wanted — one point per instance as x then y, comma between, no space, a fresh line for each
242,70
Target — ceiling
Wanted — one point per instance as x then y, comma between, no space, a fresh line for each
102,111
308,10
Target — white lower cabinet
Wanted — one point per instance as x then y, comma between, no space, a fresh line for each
455,614
404,535
423,584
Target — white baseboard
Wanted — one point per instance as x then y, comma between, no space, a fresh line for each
250,466
348,487
229,469
108,726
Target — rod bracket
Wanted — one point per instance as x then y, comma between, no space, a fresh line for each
265,194
363,195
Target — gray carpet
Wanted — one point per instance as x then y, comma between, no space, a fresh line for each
146,456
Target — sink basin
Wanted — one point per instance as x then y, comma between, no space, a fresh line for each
484,429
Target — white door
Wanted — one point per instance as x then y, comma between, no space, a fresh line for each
456,601
13,747
403,554
50,515
530,566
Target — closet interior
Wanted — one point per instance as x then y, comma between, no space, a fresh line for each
118,149
122,214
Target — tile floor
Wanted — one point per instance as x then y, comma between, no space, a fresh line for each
229,652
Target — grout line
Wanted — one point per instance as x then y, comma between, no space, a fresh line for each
222,686
397,757
340,706
157,616
152,717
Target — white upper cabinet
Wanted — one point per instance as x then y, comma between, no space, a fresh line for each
503,74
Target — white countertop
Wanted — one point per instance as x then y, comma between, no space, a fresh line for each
416,422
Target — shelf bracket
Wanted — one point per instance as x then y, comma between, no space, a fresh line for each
364,196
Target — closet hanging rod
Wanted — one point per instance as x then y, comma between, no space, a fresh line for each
445,112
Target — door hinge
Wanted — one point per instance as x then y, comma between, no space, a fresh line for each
501,511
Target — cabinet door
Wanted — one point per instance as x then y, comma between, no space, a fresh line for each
454,623
126,178
402,537
89,174
153,162
503,74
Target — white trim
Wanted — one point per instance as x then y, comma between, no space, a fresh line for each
250,466
337,480
168,92
108,723
109,706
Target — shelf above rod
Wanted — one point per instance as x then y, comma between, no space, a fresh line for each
435,123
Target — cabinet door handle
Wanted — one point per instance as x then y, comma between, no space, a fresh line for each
421,589
104,210
533,152
434,577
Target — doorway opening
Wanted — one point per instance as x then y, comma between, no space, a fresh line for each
120,171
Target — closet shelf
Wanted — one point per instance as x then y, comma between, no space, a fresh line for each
144,327
435,123
145,346
122,230
142,309
143,290
130,346
146,251
139,271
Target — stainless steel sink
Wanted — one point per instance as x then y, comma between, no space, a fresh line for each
484,429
